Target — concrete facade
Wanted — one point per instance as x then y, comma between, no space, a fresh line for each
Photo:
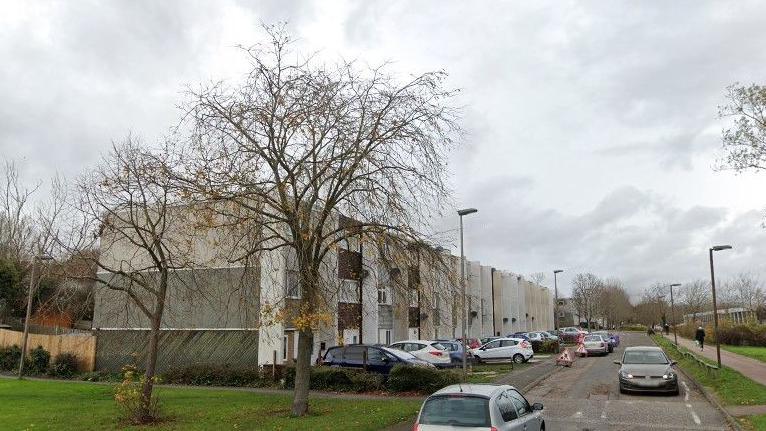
380,304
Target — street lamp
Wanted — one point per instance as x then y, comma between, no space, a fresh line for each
715,307
462,213
673,311
25,337
556,295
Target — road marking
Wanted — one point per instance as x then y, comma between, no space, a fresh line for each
686,391
696,418
603,412
577,415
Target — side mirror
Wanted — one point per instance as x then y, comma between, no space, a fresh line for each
618,362
673,363
537,406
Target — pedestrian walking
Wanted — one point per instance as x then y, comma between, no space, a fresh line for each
699,336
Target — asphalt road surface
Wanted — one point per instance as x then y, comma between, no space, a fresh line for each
586,397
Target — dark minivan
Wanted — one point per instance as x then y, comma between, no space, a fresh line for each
376,359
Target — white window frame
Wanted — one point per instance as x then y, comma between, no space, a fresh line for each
385,290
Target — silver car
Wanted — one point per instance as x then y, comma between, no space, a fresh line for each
596,344
467,407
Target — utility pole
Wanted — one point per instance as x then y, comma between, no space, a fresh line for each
461,213
715,306
673,311
556,295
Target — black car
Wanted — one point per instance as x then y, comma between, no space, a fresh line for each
647,369
376,359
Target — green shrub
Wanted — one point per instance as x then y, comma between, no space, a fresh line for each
634,328
38,361
9,357
339,380
420,379
547,346
64,365
751,334
210,375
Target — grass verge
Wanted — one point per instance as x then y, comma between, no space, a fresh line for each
56,405
755,423
731,387
758,353
488,373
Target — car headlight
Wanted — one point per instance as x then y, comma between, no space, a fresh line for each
669,376
626,375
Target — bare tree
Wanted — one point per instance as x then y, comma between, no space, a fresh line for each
695,296
299,143
614,302
586,289
128,212
745,141
16,223
537,277
747,291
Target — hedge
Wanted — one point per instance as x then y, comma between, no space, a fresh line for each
420,379
9,358
547,346
751,334
210,375
339,380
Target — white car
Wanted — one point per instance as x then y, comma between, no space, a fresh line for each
595,343
429,351
479,407
515,349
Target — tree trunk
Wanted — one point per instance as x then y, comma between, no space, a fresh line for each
145,412
303,373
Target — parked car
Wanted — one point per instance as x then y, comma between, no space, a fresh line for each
596,344
522,335
535,336
379,359
570,334
429,351
549,335
486,340
614,340
647,369
455,349
473,343
516,349
473,406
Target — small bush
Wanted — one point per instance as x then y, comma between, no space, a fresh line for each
9,357
547,346
339,380
209,375
64,365
128,395
38,361
633,328
420,379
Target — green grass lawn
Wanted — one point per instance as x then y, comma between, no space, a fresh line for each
731,387
756,423
488,373
758,353
56,405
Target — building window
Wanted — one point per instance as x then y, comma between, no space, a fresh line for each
349,291
349,265
384,295
413,297
292,286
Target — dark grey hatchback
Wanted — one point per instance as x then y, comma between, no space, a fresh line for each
647,369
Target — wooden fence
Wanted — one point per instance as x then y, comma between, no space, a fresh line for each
83,346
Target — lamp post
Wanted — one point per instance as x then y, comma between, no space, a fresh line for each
30,293
715,307
673,311
556,296
462,213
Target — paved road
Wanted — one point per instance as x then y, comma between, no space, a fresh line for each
586,397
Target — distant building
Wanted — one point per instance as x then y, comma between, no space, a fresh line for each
734,315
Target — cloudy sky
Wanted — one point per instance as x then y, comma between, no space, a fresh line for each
591,127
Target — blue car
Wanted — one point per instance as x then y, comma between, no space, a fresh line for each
375,359
455,349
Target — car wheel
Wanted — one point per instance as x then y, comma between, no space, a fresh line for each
542,426
518,358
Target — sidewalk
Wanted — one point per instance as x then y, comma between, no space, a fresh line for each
750,368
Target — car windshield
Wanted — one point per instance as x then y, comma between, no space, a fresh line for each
401,354
456,410
644,357
438,346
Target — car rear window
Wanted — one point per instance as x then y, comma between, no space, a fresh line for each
438,346
456,410
333,354
593,338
